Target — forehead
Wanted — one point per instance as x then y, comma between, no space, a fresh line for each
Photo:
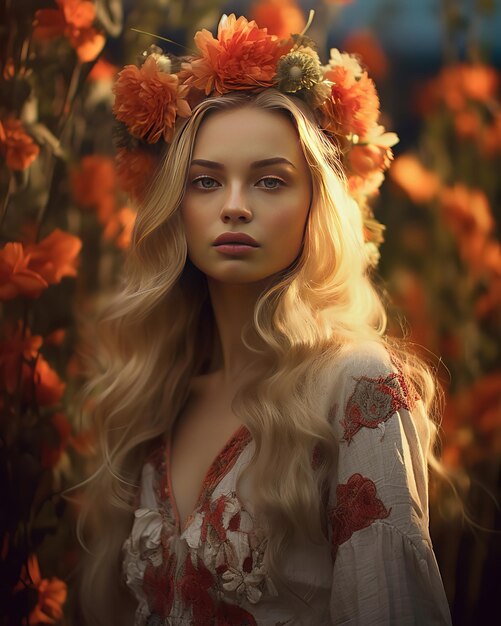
247,134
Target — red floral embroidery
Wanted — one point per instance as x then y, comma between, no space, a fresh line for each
158,585
373,401
194,589
214,517
225,460
357,507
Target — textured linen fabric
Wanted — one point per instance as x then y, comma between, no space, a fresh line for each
376,566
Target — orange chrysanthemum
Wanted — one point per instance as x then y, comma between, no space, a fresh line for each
51,594
243,56
353,106
16,146
420,184
55,256
93,181
73,19
148,100
279,17
135,169
17,278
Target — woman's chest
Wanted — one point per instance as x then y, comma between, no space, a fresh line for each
202,438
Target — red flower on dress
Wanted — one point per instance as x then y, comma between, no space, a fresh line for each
16,146
357,507
374,401
194,588
243,56
148,100
159,586
72,19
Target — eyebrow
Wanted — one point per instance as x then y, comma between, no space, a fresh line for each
257,164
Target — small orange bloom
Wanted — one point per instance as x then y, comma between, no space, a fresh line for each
49,388
353,106
55,256
51,594
119,227
243,56
12,351
367,158
135,170
459,84
73,19
94,178
467,123
420,184
364,44
16,146
279,17
102,70
16,277
148,100
466,210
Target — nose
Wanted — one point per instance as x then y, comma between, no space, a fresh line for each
235,207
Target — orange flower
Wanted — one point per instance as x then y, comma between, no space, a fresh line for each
73,19
17,147
49,388
243,56
456,85
94,178
51,594
16,277
119,227
102,70
363,43
353,106
11,353
55,256
279,17
466,211
135,171
467,123
148,100
419,184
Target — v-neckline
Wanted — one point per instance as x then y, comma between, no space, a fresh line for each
240,436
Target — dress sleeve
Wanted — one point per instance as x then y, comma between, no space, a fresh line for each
384,569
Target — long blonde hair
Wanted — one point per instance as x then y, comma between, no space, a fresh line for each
158,332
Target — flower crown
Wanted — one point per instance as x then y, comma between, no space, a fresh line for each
151,96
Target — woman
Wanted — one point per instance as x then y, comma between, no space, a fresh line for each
264,444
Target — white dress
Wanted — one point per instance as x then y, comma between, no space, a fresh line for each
377,565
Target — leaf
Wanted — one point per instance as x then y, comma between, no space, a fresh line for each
43,136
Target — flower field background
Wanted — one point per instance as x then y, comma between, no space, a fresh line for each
67,208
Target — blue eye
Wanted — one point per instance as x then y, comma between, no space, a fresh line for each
272,180
203,180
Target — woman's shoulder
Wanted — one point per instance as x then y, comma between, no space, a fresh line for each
367,371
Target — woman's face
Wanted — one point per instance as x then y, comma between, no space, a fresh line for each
248,175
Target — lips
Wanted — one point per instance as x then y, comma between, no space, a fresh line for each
236,238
